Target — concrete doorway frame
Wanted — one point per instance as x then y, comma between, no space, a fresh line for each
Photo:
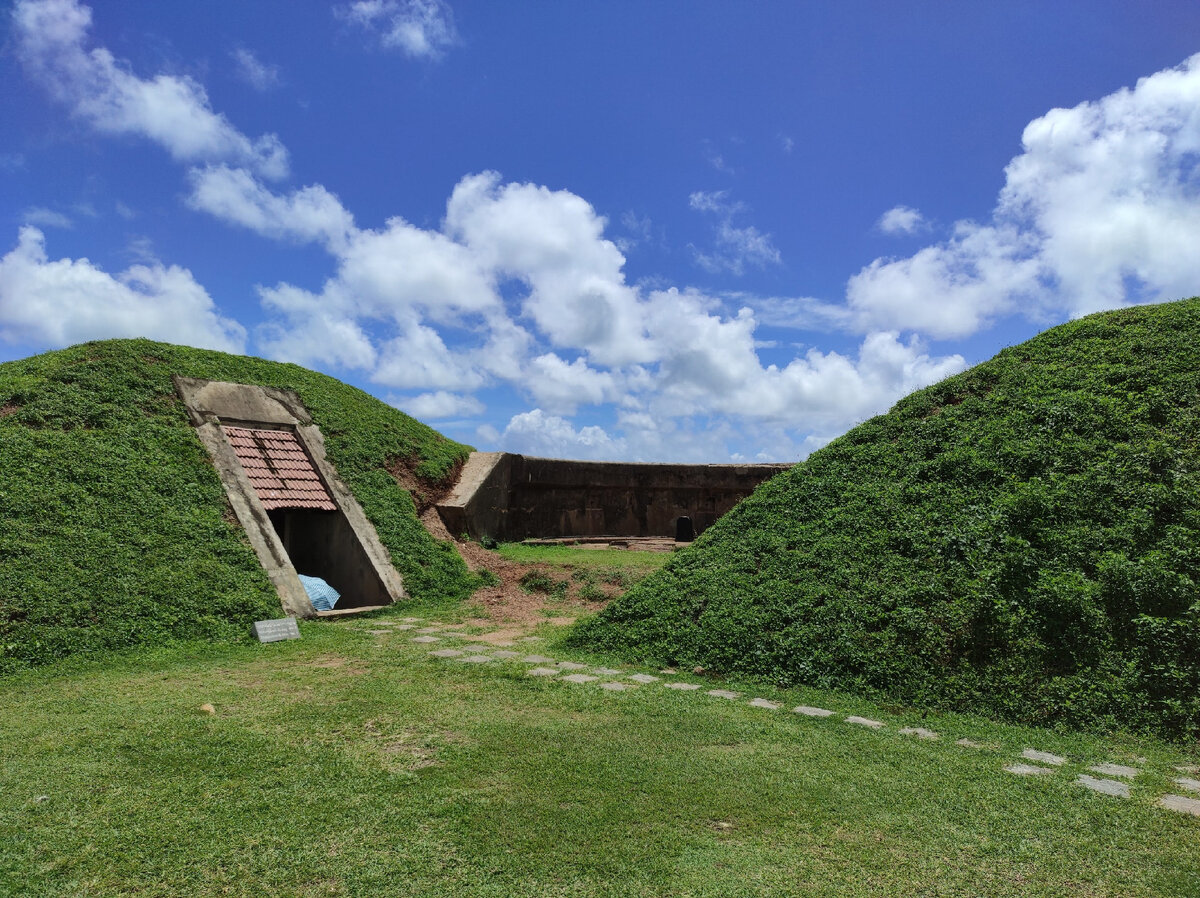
211,404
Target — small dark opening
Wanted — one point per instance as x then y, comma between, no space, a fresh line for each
684,531
322,544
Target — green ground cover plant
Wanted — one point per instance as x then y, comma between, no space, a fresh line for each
1021,540
352,763
114,528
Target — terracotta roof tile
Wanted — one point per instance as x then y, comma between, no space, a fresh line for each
278,468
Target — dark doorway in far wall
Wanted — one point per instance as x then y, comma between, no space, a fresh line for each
322,544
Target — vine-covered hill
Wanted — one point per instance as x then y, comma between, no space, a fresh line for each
113,523
1021,540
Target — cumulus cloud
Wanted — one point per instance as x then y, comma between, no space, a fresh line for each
258,74
736,247
901,220
421,29
439,406
173,111
1101,209
536,433
57,303
236,196
561,388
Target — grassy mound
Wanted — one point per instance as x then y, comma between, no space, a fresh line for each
1021,540
114,527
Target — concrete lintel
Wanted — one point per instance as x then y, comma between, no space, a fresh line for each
239,403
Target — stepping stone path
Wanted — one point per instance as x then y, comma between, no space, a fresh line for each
1180,803
1028,769
1118,788
865,722
1115,770
764,703
1043,756
380,632
1106,787
809,711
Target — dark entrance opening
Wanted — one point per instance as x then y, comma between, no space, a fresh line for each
322,544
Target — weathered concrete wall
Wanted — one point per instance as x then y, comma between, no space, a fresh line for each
511,497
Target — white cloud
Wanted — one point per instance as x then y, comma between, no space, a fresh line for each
258,74
313,331
439,406
1100,210
901,220
736,247
560,388
170,110
422,29
236,196
536,433
42,217
57,303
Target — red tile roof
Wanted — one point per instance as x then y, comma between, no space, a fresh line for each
279,469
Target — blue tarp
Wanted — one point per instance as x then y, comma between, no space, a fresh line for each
321,594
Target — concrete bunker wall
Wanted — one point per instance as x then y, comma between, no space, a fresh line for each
506,496
339,545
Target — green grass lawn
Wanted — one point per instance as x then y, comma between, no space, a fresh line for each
354,764
635,563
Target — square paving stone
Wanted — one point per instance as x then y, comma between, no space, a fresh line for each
406,626
865,722
383,623
1028,769
1043,757
379,632
571,665
505,656
1186,782
687,687
537,659
615,687
579,678
426,639
475,659
429,629
446,653
457,635
969,743
413,620
724,693
606,671
764,703
1188,768
1105,787
1115,770
1180,803
919,732
542,672
643,678
810,711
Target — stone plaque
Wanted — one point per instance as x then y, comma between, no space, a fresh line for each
276,630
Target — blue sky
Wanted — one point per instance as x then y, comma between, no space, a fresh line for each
686,231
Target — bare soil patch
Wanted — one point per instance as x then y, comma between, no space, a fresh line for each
509,604
9,408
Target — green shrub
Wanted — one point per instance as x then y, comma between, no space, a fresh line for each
1022,540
